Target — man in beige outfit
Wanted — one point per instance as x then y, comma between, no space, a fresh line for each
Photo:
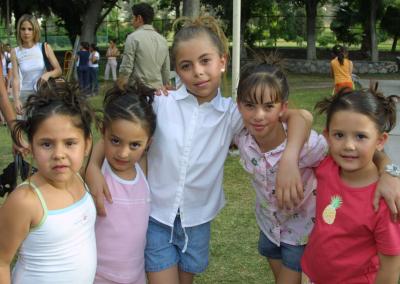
146,53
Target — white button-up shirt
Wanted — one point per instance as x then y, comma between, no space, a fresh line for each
187,155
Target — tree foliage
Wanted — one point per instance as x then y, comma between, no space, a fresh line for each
391,24
352,21
81,17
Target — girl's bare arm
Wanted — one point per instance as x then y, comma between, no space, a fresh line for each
15,221
289,187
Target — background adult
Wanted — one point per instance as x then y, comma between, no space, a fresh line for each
83,68
27,61
112,55
341,68
94,69
146,53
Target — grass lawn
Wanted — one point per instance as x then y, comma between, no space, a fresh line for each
234,257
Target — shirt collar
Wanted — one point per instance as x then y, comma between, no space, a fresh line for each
217,102
272,157
145,27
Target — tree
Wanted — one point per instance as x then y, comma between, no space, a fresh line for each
372,27
82,17
391,24
359,13
78,17
293,26
191,8
249,9
311,7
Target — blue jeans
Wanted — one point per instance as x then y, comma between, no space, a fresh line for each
84,79
186,247
289,254
94,82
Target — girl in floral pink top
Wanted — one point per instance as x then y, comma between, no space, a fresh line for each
263,100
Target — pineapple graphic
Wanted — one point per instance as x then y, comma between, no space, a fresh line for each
329,213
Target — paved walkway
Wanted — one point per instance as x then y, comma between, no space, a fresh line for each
391,87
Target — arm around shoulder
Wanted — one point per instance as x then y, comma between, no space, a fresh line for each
388,186
95,179
289,191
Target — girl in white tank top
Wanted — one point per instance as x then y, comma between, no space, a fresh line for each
28,66
129,123
51,216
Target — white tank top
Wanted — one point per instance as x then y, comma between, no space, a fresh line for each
31,66
62,248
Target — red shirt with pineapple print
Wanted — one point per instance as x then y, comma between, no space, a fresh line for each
348,234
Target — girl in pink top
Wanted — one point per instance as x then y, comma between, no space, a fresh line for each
351,243
128,125
262,100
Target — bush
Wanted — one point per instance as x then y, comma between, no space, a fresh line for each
326,39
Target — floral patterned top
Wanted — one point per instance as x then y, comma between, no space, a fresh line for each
288,226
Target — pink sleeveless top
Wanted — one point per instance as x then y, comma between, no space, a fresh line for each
121,235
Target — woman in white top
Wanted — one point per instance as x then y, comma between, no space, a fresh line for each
94,58
27,61
112,55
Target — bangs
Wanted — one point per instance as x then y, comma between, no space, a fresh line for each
260,90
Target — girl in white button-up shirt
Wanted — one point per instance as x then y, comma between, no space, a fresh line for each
195,127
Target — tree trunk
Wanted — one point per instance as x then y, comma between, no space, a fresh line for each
191,8
394,44
366,39
372,21
89,21
311,10
177,5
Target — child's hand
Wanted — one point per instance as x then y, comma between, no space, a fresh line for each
18,106
288,184
163,91
389,188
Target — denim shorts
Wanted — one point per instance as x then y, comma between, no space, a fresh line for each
186,247
289,254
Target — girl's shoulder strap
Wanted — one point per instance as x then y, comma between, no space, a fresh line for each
84,183
37,191
41,199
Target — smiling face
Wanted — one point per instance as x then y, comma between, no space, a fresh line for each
261,117
353,138
124,148
59,148
199,65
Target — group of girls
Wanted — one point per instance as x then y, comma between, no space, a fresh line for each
160,224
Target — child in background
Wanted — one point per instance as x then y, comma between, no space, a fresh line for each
49,219
129,123
262,100
350,242
195,127
341,69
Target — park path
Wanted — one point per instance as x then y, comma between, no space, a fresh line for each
391,87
